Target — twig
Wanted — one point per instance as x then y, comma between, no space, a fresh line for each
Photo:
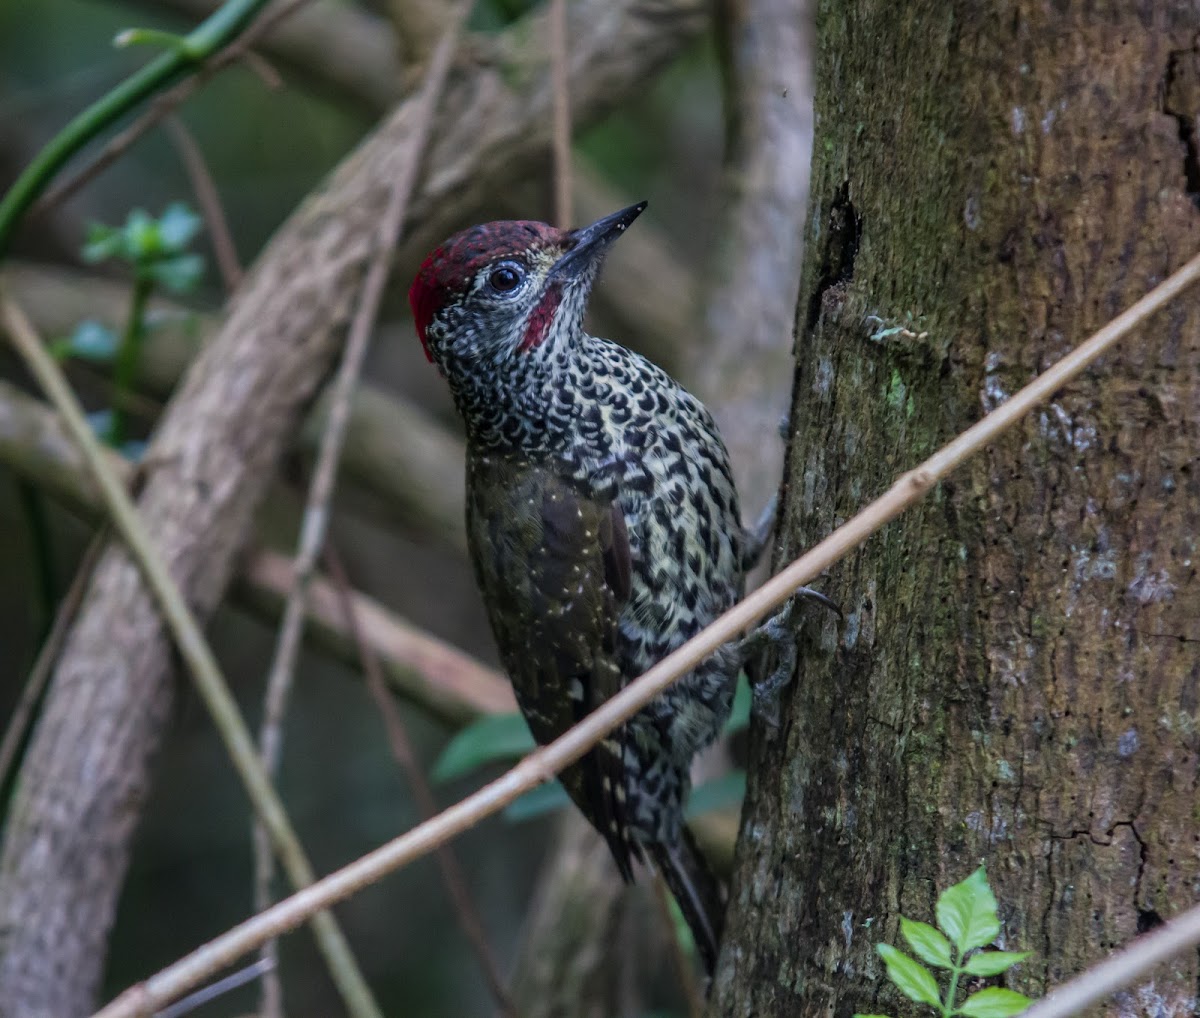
1121,969
447,683
442,679
683,968
209,201
214,990
164,105
402,750
560,78
540,765
317,509
18,724
188,51
194,649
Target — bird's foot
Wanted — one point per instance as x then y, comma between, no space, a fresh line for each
779,634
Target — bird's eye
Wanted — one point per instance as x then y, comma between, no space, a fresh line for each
505,278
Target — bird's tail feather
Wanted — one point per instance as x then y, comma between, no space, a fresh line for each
697,891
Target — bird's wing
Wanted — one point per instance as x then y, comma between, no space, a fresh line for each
554,567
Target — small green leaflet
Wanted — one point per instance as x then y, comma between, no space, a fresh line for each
967,912
91,341
178,273
994,1003
992,963
927,942
177,226
912,978
496,737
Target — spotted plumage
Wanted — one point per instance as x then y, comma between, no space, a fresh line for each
603,525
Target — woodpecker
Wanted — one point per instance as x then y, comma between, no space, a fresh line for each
603,526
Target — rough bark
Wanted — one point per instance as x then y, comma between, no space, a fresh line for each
87,769
1017,676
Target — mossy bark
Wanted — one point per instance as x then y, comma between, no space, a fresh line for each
1017,676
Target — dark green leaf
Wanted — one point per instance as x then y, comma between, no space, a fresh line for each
177,226
966,912
94,342
179,273
992,963
872,1016
994,1003
928,943
911,978
727,790
498,737
537,802
739,715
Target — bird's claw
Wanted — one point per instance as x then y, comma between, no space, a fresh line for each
779,634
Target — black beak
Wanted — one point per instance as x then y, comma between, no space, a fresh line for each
589,243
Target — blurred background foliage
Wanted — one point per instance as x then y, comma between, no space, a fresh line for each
267,148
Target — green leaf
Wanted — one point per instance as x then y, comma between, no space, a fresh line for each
992,963
911,978
739,715
142,239
966,912
872,1016
498,737
103,242
179,273
927,942
91,341
177,226
727,790
994,1003
537,802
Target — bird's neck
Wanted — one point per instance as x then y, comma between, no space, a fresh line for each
525,403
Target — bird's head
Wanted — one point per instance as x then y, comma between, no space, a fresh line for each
504,289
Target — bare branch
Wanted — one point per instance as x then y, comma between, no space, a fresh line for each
164,105
343,46
397,732
450,685
536,768
562,113
404,465
218,442
742,360
317,508
209,201
190,642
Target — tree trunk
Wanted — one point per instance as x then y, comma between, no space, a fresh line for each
1017,676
